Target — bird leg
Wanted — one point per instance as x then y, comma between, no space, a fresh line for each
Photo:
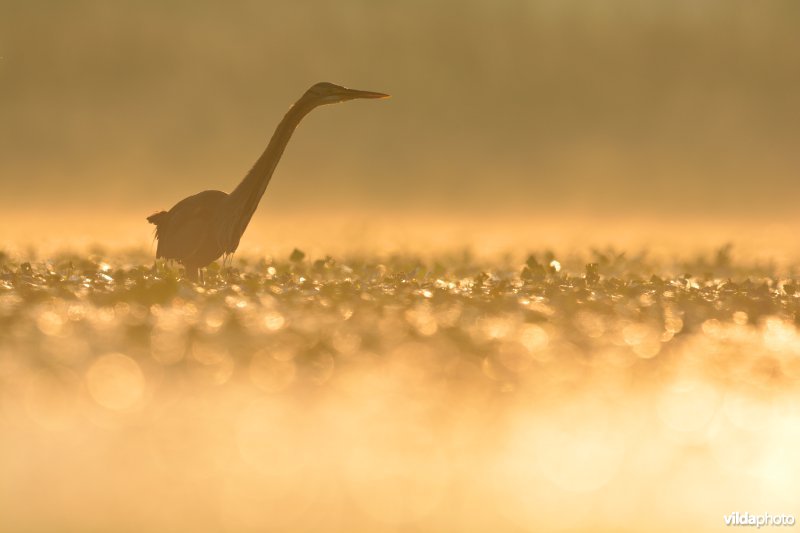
192,273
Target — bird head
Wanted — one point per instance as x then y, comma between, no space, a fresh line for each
328,93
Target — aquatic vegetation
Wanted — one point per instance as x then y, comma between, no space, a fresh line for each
550,378
473,308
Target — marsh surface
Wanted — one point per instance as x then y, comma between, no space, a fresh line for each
379,392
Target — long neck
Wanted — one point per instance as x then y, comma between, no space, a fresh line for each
244,199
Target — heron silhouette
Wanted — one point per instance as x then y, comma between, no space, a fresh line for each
208,225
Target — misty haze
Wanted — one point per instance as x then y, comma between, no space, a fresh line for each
551,284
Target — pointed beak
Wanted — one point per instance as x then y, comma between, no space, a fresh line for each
353,93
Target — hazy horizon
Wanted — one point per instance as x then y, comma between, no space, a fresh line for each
628,108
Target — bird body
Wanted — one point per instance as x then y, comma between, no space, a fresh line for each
189,232
202,228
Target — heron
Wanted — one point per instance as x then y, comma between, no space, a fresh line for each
200,229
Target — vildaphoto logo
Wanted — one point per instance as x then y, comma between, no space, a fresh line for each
758,520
